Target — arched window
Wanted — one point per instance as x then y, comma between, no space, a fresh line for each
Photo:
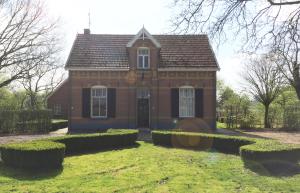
143,58
98,102
186,101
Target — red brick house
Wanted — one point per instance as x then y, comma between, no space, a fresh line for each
138,81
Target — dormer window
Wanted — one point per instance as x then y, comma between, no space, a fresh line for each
143,58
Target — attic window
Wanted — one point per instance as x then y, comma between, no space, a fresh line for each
143,58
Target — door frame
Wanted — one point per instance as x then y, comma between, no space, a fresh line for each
149,105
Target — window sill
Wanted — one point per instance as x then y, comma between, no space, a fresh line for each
99,118
187,117
143,69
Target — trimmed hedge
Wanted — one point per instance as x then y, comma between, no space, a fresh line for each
261,151
49,153
58,124
270,152
99,141
35,154
25,121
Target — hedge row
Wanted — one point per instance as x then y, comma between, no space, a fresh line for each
35,154
251,150
25,121
49,153
58,124
99,141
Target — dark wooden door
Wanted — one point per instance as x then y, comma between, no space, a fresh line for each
143,112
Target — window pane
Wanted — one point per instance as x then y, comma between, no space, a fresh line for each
140,65
186,102
95,106
103,107
143,51
146,65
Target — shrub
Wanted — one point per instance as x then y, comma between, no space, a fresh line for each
99,141
58,124
291,117
270,152
222,143
25,121
49,153
35,154
261,151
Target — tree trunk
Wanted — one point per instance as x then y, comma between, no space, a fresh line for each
297,88
266,121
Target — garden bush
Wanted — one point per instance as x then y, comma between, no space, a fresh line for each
58,124
260,151
49,153
25,121
35,154
270,151
222,143
99,141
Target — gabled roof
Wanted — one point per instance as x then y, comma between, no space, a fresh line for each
107,51
142,34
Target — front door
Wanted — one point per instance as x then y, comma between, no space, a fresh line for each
143,112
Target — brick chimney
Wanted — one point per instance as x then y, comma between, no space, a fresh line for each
87,31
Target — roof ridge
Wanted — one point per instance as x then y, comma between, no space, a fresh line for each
152,34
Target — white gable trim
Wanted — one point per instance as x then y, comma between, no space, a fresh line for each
147,34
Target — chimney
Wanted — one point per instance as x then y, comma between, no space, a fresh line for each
87,31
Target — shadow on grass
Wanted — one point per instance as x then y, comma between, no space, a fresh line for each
29,174
274,168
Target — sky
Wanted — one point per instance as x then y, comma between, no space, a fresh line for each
128,17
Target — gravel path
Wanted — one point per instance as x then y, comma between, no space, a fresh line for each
284,137
18,138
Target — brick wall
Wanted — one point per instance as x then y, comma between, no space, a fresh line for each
126,83
60,97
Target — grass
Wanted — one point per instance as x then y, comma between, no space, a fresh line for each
147,168
58,120
221,125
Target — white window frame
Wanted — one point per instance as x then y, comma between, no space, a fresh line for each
184,112
143,55
57,110
95,88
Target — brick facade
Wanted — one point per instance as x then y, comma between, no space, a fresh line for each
60,98
126,82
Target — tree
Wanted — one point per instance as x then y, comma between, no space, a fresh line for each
259,24
287,56
40,81
25,34
256,20
264,82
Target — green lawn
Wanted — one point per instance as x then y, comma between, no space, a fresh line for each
148,168
221,125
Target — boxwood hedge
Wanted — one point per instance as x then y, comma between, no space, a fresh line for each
58,124
261,151
34,154
49,153
99,141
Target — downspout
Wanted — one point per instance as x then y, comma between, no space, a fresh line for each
157,84
128,110
70,104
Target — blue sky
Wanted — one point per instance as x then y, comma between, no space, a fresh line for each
127,17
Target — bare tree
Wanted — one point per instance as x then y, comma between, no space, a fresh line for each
40,81
287,56
260,24
264,82
25,33
256,20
